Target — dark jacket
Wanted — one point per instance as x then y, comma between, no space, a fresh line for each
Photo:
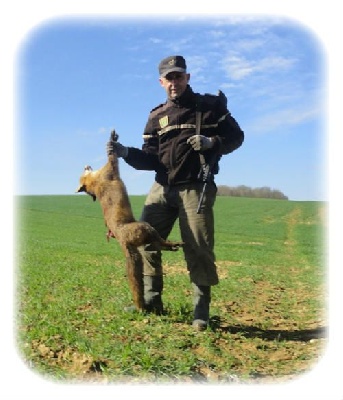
165,149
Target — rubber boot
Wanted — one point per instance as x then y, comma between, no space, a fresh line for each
201,302
153,286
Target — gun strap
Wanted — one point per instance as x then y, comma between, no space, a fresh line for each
198,115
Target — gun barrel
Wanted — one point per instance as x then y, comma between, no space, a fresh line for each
201,200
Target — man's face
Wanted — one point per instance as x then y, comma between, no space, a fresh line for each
175,83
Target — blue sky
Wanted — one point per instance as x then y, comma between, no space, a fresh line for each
78,78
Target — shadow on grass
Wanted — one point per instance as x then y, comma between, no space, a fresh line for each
252,332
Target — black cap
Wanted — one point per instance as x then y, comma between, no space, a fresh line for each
172,64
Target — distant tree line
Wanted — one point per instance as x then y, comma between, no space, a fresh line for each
245,191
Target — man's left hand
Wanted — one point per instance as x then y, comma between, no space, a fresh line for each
200,142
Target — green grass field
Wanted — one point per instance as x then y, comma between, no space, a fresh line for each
268,314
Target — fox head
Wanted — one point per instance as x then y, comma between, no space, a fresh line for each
86,181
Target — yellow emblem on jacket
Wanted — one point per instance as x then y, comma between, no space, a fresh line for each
163,121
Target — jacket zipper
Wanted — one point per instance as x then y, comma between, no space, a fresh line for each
172,159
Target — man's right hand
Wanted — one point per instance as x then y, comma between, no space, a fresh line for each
116,148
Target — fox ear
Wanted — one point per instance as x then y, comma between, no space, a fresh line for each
81,188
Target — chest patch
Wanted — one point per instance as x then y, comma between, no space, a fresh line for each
163,121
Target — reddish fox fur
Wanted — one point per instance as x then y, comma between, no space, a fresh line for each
106,185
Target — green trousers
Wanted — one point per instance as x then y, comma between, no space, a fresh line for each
165,205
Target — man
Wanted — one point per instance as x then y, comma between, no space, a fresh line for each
183,137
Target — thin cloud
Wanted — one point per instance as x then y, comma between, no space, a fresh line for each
248,45
217,34
238,67
197,64
155,40
280,120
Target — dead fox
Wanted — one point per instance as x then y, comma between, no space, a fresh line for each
106,185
